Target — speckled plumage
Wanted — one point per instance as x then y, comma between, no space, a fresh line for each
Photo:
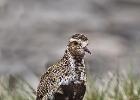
66,80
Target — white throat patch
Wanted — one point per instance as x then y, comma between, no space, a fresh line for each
84,44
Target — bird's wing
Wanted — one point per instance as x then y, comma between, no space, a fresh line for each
48,84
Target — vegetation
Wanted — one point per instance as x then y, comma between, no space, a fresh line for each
14,88
114,87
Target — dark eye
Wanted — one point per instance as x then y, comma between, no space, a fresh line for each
75,43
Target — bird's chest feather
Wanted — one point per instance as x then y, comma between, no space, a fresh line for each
76,73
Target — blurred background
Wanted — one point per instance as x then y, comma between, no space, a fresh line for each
34,33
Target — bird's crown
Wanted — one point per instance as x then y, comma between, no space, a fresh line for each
79,36
80,39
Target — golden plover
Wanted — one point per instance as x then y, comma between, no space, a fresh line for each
66,80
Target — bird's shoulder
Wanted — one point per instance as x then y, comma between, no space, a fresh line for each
54,70
49,71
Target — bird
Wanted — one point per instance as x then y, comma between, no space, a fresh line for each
66,79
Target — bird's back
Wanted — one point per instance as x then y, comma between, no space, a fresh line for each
49,82
62,81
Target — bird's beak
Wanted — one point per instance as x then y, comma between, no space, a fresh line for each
87,50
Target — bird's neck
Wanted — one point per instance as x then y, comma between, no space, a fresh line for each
76,66
74,61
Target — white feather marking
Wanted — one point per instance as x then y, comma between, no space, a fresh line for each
85,43
83,77
72,39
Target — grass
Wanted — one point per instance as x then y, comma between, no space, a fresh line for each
112,87
14,88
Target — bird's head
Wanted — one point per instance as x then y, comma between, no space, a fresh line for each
78,45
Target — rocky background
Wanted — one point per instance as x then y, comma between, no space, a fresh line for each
35,32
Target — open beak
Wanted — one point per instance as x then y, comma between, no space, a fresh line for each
87,50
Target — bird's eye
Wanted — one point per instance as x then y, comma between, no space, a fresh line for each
75,43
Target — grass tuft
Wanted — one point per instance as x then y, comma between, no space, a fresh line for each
112,87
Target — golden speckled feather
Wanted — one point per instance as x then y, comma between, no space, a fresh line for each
66,80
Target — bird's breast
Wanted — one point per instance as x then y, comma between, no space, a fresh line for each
73,91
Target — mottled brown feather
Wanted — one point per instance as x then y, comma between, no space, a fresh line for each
66,80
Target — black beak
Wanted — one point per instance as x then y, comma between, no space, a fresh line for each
87,50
